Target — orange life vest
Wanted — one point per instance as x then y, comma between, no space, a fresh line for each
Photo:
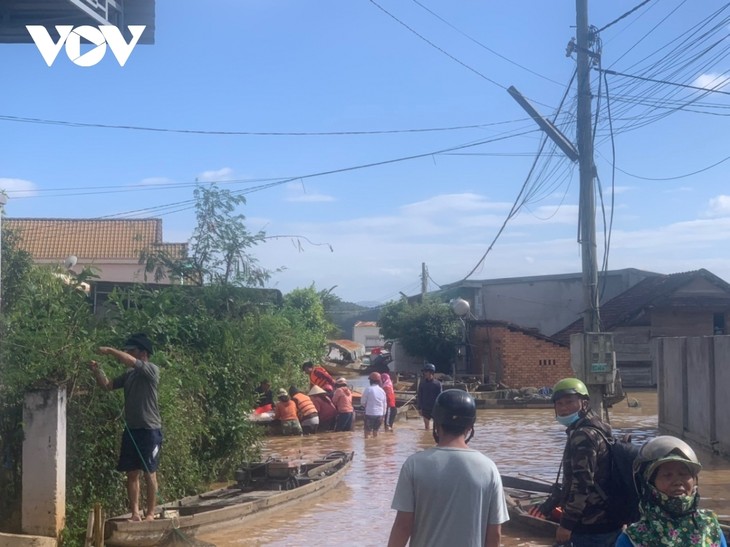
305,406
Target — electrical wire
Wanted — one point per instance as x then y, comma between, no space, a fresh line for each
480,44
521,196
604,27
66,123
665,82
176,207
443,51
676,177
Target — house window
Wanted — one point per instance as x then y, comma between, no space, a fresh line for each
718,323
546,362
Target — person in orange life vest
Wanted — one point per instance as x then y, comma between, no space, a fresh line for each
342,399
307,412
286,412
318,376
390,400
325,408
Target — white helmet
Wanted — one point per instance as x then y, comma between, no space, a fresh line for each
662,449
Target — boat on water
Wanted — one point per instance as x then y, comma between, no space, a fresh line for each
522,494
260,487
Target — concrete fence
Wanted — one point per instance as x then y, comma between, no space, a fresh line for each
694,389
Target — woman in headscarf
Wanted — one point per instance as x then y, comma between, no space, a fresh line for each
666,474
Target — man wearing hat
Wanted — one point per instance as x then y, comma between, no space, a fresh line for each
142,437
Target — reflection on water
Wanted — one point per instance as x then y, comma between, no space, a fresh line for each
521,442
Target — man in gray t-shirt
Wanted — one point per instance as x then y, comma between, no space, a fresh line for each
449,494
142,436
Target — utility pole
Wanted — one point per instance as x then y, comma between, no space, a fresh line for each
424,280
587,207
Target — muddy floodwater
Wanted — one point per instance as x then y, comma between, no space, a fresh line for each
521,442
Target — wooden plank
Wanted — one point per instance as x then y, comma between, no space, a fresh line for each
89,529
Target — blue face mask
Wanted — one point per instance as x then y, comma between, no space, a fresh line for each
569,419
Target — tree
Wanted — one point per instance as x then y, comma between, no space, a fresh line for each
219,249
425,329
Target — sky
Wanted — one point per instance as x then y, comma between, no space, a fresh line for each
316,111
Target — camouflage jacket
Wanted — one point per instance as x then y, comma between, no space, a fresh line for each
586,476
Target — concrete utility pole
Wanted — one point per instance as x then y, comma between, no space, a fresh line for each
584,359
587,207
424,280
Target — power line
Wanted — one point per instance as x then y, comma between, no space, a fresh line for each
623,16
66,123
706,90
524,192
480,44
677,177
430,43
176,207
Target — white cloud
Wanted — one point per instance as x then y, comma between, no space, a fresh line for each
711,80
18,188
217,175
299,193
447,204
719,206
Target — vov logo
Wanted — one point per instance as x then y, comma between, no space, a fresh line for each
100,38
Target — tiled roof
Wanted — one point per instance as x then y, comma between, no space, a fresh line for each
88,239
625,306
366,324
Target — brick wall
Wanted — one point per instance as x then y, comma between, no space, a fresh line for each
516,358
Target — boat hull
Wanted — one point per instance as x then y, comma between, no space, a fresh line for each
217,509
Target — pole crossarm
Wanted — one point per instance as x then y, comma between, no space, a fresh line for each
546,125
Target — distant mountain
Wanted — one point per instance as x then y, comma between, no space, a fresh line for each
345,314
369,304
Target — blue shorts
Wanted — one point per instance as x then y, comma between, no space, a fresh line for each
141,450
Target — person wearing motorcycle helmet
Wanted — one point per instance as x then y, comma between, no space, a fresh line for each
428,389
449,475
586,467
666,475
375,403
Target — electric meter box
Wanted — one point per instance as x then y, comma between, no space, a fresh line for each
593,358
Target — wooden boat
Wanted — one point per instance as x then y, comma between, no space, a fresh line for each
521,495
260,487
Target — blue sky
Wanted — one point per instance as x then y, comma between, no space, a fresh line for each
335,66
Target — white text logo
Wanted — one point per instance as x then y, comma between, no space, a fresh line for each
99,38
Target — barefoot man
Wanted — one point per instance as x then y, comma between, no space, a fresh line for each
142,436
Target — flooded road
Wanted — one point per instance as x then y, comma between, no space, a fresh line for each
357,512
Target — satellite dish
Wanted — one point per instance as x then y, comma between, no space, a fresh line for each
70,262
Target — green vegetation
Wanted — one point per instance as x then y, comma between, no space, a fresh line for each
425,329
214,343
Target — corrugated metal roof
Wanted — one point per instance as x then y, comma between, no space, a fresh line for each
348,345
651,290
89,239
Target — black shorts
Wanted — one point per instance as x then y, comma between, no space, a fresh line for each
141,450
